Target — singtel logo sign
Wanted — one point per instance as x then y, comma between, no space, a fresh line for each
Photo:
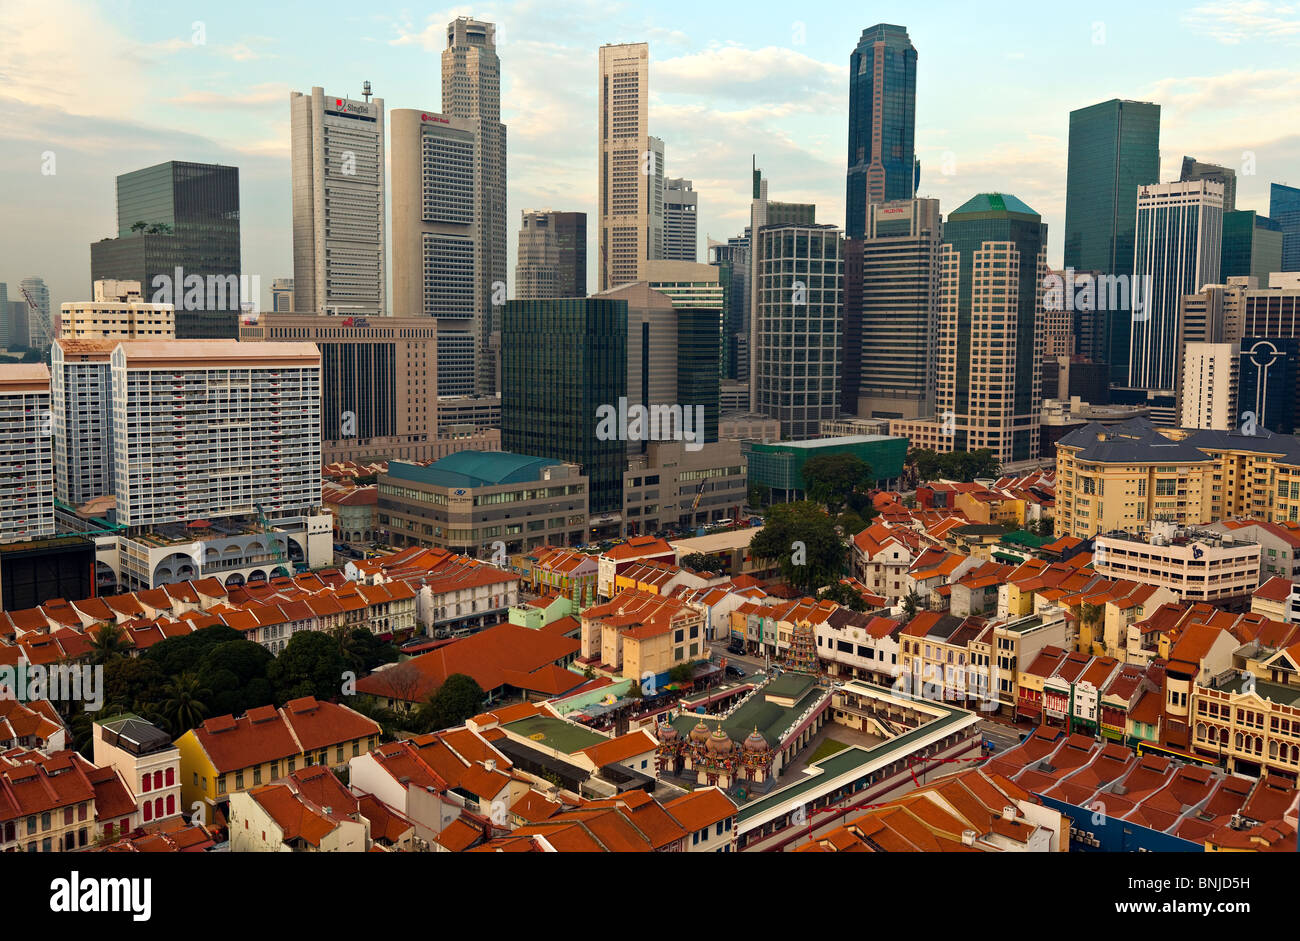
350,107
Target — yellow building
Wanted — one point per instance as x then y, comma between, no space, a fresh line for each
227,754
1122,477
639,634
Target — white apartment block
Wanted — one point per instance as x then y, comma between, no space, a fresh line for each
80,392
631,184
337,149
1209,379
26,453
118,312
1195,565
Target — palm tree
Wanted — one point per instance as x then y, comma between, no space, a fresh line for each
108,642
911,603
184,707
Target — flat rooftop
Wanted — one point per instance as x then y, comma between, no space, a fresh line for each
564,737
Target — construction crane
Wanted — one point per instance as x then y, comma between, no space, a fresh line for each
41,318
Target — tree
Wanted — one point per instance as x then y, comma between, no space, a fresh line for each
362,650
134,684
682,672
185,706
911,604
108,643
401,684
309,665
801,539
704,563
760,495
176,655
237,674
830,478
845,595
457,699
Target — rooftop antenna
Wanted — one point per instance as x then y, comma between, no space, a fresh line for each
365,91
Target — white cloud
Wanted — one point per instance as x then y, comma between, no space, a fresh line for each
1235,21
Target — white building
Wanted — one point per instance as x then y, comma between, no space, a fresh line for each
118,312
80,391
681,207
1197,565
1209,385
40,330
147,760
26,453
338,204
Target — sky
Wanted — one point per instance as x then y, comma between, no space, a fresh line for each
89,90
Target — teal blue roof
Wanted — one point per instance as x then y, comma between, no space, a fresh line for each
992,202
474,469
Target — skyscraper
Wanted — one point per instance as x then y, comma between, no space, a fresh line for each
798,319
338,205
436,244
552,259
41,326
897,306
681,204
1252,246
1114,148
1284,209
991,318
471,90
631,167
561,359
1194,169
1177,244
733,263
882,122
178,226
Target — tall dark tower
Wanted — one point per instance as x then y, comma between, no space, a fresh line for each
882,122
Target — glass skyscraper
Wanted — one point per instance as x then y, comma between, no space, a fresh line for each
179,216
561,359
1284,209
1252,245
1114,148
882,122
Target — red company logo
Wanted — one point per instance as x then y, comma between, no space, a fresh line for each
434,117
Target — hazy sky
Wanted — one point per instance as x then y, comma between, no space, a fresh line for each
108,87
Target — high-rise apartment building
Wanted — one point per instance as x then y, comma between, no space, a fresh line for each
1284,209
681,206
1176,251
41,329
26,453
799,323
1252,246
561,359
436,246
378,382
1114,148
471,91
80,393
991,321
242,430
339,264
882,122
178,237
1194,169
631,167
1208,395
118,312
895,298
552,259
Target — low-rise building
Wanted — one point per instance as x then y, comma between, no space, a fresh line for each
1196,565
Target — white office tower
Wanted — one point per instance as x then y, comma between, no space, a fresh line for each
471,91
1175,252
681,207
26,453
436,245
631,167
80,393
338,204
1210,386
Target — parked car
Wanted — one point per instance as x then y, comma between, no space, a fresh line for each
736,649
735,671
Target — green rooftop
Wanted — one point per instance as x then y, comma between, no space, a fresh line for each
564,737
1286,695
474,469
757,712
1023,537
994,203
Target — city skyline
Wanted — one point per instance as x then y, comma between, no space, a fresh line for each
713,100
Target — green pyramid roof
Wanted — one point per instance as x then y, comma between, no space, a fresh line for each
993,202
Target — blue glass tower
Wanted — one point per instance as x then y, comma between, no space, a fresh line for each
882,122
1284,209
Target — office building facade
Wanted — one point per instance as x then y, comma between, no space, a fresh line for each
41,328
1176,250
1114,148
799,323
561,359
631,167
882,122
338,161
733,263
1193,169
178,237
1252,246
552,258
1284,209
681,207
471,91
282,296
